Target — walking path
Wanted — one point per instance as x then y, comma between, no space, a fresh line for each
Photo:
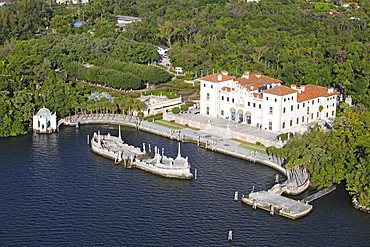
210,138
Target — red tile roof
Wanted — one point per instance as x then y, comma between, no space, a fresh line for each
257,95
280,90
312,91
215,77
226,89
257,78
349,3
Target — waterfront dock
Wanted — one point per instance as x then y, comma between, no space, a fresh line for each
277,204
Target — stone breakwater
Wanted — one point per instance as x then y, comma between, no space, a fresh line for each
114,148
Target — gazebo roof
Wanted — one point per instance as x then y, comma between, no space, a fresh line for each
44,112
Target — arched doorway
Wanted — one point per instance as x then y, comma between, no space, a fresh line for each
248,117
233,113
240,116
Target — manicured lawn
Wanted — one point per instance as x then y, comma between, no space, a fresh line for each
178,125
171,126
251,146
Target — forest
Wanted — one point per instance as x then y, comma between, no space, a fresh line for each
300,42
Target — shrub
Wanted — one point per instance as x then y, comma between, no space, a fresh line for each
175,110
184,107
284,136
190,103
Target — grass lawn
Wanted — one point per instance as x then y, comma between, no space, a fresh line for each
250,146
171,126
186,91
178,125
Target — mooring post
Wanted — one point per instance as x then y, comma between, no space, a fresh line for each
88,140
236,196
195,174
230,237
277,178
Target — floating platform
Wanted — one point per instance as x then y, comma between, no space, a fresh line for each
277,204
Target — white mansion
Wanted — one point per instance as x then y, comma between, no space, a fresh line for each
263,102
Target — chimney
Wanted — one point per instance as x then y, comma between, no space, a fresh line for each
246,75
219,77
258,75
302,89
224,72
293,86
252,88
331,90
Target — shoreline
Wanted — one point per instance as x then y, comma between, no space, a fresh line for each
206,141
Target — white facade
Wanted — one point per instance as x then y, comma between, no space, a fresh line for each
262,101
44,121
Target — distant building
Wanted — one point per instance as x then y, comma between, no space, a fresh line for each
348,4
178,70
162,50
78,24
71,1
262,101
156,104
44,121
123,21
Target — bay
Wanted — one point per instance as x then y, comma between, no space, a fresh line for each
56,192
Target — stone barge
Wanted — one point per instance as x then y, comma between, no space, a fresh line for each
277,204
114,148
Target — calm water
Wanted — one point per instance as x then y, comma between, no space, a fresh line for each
56,192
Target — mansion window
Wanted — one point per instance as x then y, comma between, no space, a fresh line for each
232,100
332,113
249,103
204,85
270,110
318,114
275,100
207,110
222,97
313,102
211,86
222,112
227,99
303,104
267,98
284,100
207,96
283,125
297,120
303,119
259,106
298,106
291,122
254,104
308,110
270,125
327,114
291,108
284,110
